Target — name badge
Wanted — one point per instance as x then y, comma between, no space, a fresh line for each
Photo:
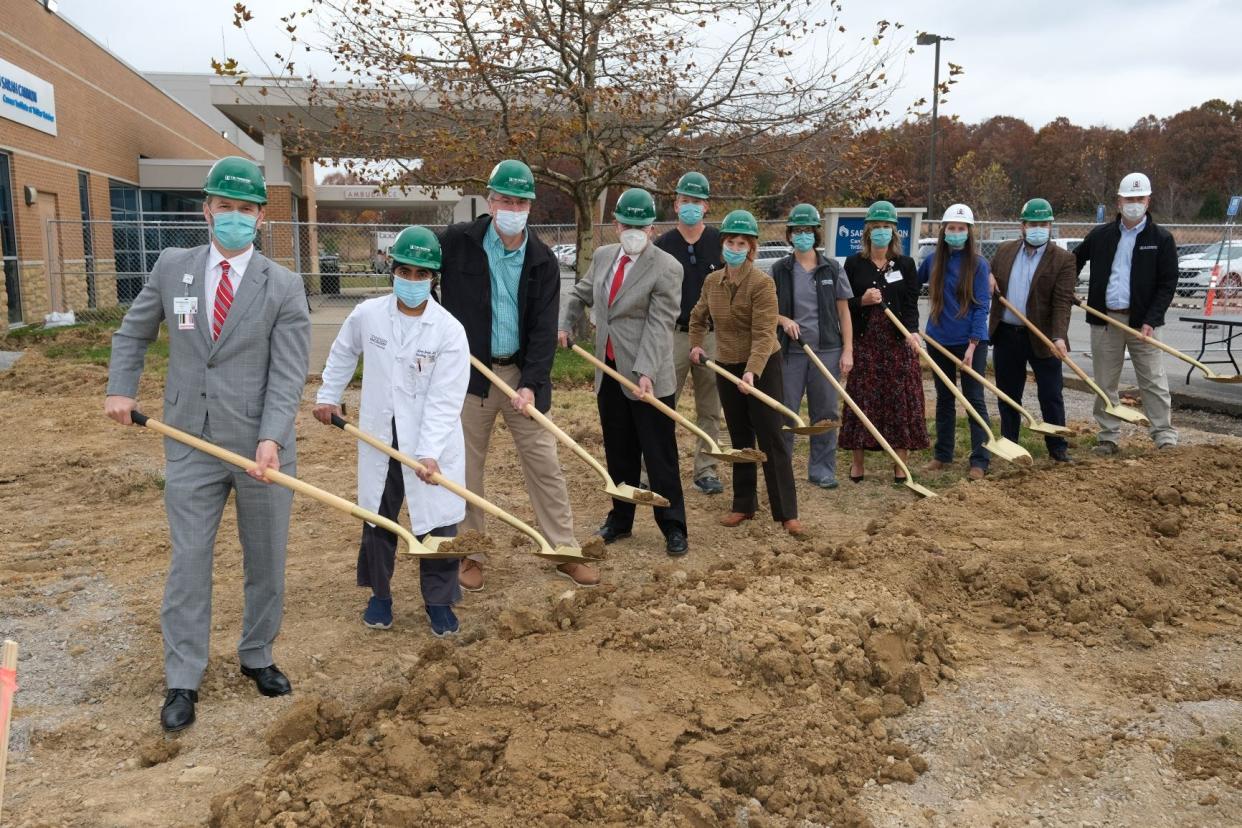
893,277
185,305
187,279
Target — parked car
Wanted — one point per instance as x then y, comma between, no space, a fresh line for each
1194,272
769,253
566,254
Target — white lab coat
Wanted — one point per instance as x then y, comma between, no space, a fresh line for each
422,383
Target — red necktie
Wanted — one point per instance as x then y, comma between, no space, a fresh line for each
224,301
617,279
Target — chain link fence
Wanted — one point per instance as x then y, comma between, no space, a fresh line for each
103,264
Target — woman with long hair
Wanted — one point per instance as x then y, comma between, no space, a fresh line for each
886,381
957,284
740,301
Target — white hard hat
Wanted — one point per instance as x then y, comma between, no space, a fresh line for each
1135,184
959,213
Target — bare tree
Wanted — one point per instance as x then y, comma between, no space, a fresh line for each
590,93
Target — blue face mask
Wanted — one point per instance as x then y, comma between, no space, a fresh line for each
734,258
881,237
1037,236
956,240
803,242
234,230
690,214
411,293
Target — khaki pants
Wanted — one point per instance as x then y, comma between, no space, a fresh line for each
536,450
706,400
1108,353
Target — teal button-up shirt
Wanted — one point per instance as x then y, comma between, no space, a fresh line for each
505,267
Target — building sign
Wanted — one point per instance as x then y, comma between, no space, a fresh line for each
27,99
850,230
356,193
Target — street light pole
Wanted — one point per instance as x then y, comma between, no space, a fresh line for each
928,39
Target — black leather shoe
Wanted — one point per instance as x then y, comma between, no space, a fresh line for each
269,680
178,710
1061,456
611,533
675,543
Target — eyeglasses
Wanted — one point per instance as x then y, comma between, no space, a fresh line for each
690,250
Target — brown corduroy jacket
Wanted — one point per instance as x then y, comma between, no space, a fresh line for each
744,314
1051,295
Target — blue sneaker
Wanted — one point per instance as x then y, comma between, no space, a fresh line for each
443,621
378,615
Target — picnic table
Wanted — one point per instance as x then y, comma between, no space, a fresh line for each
1232,326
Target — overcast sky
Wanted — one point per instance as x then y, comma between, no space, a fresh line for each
1099,62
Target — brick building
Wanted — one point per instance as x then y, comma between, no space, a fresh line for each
86,141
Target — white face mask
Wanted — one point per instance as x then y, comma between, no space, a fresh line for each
511,222
1133,211
633,242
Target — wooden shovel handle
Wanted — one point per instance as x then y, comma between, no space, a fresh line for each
944,378
1168,349
280,478
757,394
858,412
538,416
461,491
651,399
984,381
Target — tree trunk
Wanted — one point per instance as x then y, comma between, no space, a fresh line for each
584,213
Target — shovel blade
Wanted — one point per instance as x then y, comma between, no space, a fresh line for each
737,456
1007,449
1222,378
917,489
810,430
433,546
632,494
1130,415
1048,428
562,554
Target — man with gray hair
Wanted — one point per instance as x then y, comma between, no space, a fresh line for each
504,285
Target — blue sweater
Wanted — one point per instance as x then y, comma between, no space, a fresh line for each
950,329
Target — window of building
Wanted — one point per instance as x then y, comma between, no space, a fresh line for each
126,240
8,244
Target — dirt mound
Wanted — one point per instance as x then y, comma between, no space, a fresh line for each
754,690
1102,550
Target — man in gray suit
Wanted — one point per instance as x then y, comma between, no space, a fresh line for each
635,289
238,340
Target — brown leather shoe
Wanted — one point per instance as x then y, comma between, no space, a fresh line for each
735,519
470,575
976,473
580,574
793,526
936,466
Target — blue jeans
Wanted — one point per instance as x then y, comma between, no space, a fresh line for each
946,406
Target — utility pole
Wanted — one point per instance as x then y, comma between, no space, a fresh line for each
928,39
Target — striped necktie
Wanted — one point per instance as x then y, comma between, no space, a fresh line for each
224,301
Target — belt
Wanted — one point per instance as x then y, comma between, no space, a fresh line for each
511,359
1118,310
1011,325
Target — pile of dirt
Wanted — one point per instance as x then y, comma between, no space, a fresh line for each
757,690
1102,551
469,542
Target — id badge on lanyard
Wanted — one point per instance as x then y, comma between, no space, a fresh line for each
185,307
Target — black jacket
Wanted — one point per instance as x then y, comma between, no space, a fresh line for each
901,295
827,272
466,291
1153,270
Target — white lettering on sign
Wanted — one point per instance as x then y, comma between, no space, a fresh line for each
360,192
27,99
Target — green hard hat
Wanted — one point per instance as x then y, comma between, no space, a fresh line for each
882,211
804,215
235,177
694,184
512,178
636,208
1037,209
739,223
417,247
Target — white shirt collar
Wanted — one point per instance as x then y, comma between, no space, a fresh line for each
1136,229
237,263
